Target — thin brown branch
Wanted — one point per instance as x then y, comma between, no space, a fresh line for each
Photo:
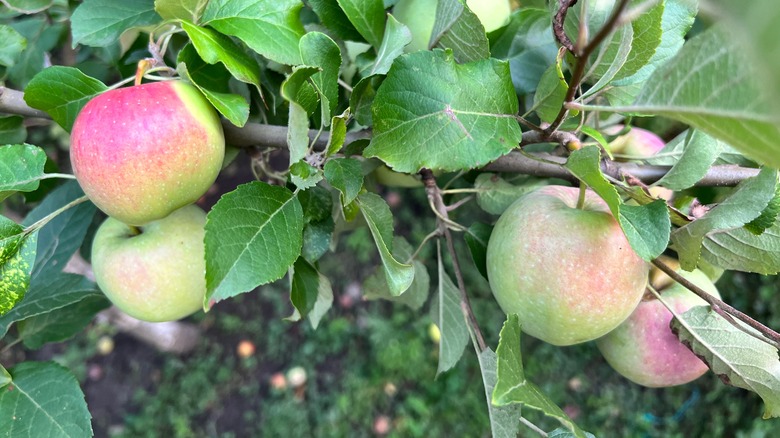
12,102
434,195
722,308
558,21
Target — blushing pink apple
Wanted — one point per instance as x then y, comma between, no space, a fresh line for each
142,152
637,142
643,348
569,273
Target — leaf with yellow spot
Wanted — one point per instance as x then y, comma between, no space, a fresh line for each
17,256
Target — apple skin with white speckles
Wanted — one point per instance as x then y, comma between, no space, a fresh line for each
155,272
142,152
643,348
569,273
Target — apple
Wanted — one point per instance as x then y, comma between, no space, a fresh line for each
420,15
142,152
155,272
569,273
637,142
643,348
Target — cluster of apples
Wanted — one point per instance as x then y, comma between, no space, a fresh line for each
143,155
570,274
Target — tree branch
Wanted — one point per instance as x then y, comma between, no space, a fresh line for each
722,308
558,20
12,102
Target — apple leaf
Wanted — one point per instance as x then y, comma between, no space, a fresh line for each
611,58
699,153
333,17
61,92
304,175
17,256
565,433
42,37
21,168
28,6
308,288
376,288
318,50
708,86
647,227
187,10
527,43
214,47
736,357
741,250
747,202
345,175
504,420
13,45
317,237
60,324
338,133
99,23
550,93
647,30
450,319
431,112
477,237
63,235
396,37
296,90
459,29
253,234
46,400
368,17
5,377
362,98
768,216
12,130
495,194
380,221
512,387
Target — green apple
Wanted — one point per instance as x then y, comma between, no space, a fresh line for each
643,348
638,142
420,15
154,272
142,152
568,272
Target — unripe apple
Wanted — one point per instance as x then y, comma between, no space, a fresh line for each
643,348
156,272
142,152
420,15
569,273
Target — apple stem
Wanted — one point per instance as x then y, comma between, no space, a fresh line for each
45,220
723,309
581,198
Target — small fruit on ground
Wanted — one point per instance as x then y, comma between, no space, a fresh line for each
643,348
155,272
569,273
142,152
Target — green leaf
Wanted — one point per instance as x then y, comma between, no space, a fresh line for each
270,28
612,57
17,256
296,90
233,106
99,23
431,112
647,35
375,287
317,236
736,357
768,217
63,235
459,29
214,47
12,130
335,19
527,43
304,287
316,203
48,293
495,194
647,227
451,322
61,324
45,400
368,17
380,222
5,377
712,86
253,235
477,237
504,420
396,37
28,6
513,387
42,36
61,92
13,45
21,168
318,50
565,433
745,204
346,176
304,175
187,10
700,151
362,98
550,93
338,133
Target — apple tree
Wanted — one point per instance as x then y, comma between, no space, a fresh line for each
486,106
